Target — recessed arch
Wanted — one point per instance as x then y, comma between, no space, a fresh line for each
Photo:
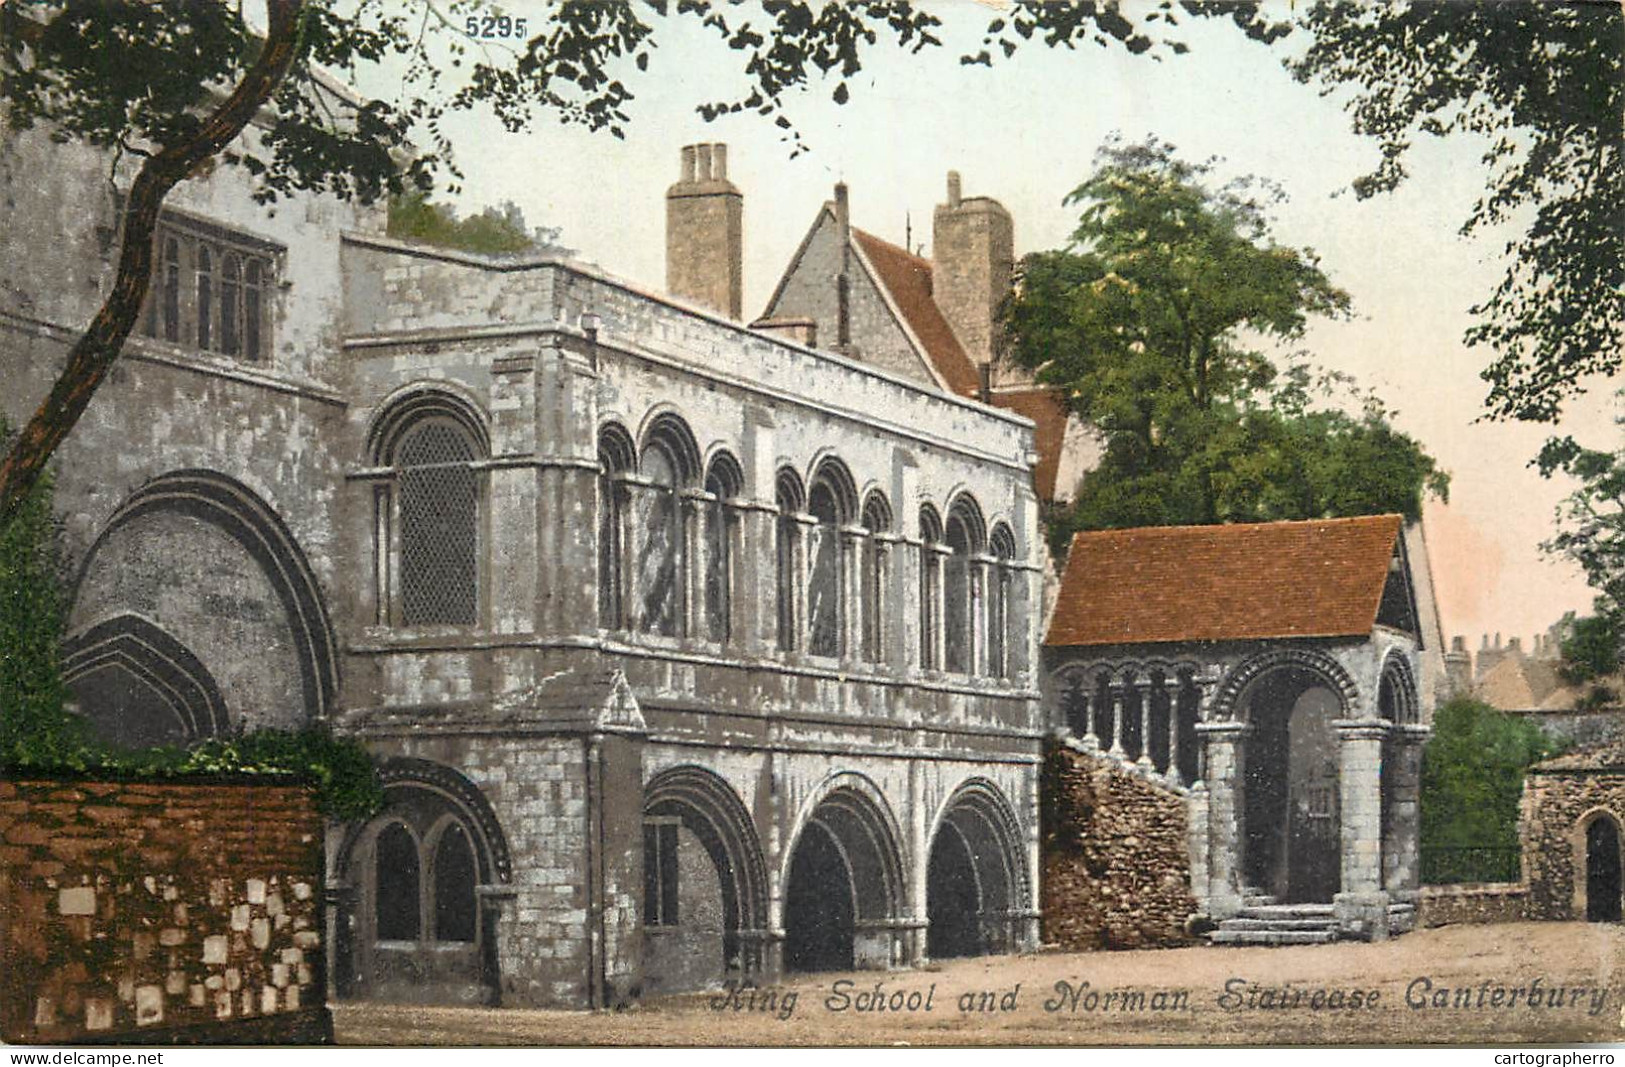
668,432
1597,865
141,659
237,511
405,407
1397,699
1323,667
709,808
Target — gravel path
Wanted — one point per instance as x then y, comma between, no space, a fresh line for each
1473,983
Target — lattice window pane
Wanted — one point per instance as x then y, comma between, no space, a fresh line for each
439,502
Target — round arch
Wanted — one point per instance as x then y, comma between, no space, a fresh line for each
241,514
844,833
664,428
709,807
406,406
977,883
1323,667
1595,846
1397,699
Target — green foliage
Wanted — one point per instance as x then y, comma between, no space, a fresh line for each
1544,86
1144,321
1472,775
32,616
1592,519
494,231
1591,650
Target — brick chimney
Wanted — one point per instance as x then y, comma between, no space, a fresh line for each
972,257
705,226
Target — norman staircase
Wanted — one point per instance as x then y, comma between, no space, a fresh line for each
1263,921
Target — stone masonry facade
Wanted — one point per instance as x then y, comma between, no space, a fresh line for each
160,912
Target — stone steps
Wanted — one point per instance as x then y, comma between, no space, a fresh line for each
1272,937
1243,922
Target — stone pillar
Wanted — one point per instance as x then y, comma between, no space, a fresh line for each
1362,905
801,566
1402,834
1143,761
1196,840
852,623
1090,739
1171,686
1225,744
1116,687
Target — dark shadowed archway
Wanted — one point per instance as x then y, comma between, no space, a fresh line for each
1602,871
976,881
844,884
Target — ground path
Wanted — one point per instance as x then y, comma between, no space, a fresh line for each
1471,962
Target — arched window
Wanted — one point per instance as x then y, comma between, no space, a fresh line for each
876,521
428,512
787,543
830,503
398,893
722,485
659,522
164,303
930,583
962,591
616,459
454,881
1000,653
205,298
669,464
439,509
231,284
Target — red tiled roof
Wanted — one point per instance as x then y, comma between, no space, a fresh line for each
1048,411
1322,578
907,278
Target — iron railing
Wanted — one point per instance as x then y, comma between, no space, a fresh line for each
1455,864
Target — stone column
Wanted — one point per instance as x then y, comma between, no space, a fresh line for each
852,542
1143,761
1225,743
1116,687
1090,738
692,560
801,567
1402,769
1362,905
1171,686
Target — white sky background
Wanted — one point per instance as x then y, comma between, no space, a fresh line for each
1025,132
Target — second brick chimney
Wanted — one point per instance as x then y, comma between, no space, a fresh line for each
705,228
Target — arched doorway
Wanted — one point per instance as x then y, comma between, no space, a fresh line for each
1291,842
417,930
843,884
705,884
975,877
819,915
1602,871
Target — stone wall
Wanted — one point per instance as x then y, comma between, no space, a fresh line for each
172,912
1483,902
1116,862
1556,808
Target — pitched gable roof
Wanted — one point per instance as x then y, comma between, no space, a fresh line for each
1322,578
1049,413
906,278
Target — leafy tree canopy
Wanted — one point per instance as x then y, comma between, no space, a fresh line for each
499,230
1472,779
1592,519
1544,84
1152,321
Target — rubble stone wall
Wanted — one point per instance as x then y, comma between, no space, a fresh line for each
1115,855
1557,808
160,912
1481,902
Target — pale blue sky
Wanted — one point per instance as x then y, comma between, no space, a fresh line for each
1025,132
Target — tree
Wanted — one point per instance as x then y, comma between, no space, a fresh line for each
1145,321
174,86
1545,83
1472,779
1592,519
494,231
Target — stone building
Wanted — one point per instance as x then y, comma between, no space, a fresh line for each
691,652
1572,815
1268,674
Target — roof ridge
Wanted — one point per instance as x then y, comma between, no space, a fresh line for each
1273,523
890,246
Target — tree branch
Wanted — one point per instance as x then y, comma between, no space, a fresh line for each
93,355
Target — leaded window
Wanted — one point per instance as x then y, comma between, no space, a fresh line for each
660,899
438,492
930,580
454,882
658,518
999,650
616,458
